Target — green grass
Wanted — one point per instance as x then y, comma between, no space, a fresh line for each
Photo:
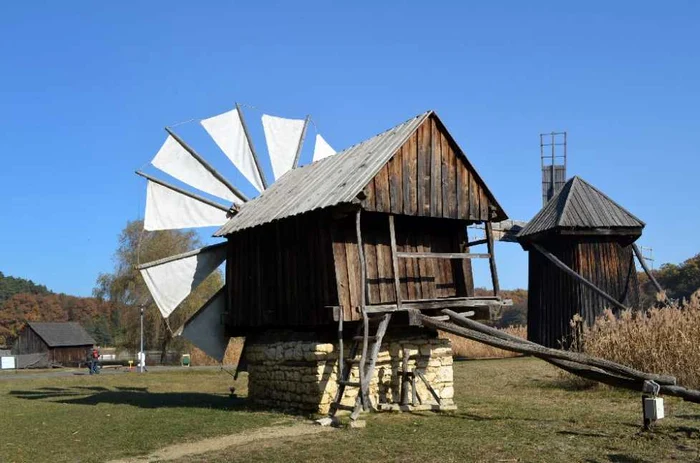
97,418
509,410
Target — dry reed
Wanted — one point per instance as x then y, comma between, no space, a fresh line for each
660,340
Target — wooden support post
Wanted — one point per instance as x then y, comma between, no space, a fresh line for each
252,147
394,260
404,377
492,259
555,260
428,385
640,258
364,391
207,166
301,143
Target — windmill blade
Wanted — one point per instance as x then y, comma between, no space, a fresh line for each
172,279
168,208
322,149
205,329
283,138
228,133
174,159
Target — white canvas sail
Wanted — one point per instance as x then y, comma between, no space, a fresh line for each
205,328
227,131
175,160
167,209
282,136
322,149
173,279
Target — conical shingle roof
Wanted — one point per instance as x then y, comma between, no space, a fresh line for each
580,205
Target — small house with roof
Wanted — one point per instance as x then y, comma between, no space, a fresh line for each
581,261
64,343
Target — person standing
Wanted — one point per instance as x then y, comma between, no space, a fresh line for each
95,359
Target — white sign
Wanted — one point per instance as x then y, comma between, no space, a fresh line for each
7,363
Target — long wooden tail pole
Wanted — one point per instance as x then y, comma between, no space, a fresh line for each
545,352
569,271
640,258
600,374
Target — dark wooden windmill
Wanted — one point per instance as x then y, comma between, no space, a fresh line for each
581,260
376,231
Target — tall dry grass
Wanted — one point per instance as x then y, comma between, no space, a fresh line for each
233,353
466,348
661,340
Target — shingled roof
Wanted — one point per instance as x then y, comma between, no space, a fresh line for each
331,181
62,334
580,205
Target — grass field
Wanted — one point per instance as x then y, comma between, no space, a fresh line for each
509,410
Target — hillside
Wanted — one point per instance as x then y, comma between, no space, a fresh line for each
22,300
9,286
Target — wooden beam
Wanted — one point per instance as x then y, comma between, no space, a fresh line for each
184,255
444,318
365,320
640,258
184,192
492,259
441,255
394,260
566,269
543,352
251,146
433,305
301,143
206,165
476,243
427,384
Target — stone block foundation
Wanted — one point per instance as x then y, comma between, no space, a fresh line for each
297,371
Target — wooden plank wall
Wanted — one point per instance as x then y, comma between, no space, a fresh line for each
418,278
70,356
429,177
281,274
28,342
554,297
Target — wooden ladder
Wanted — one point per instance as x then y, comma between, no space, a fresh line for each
368,347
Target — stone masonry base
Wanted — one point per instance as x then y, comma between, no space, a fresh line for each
297,371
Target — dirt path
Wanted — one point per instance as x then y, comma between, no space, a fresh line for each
174,452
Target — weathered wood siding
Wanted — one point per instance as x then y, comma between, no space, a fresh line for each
428,176
554,297
28,342
70,356
281,274
418,278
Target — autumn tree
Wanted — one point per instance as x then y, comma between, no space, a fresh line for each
125,287
679,281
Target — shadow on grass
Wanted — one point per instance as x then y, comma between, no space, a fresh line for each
136,397
620,458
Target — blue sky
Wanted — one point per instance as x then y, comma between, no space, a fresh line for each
87,87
